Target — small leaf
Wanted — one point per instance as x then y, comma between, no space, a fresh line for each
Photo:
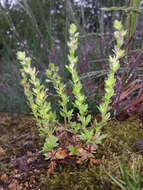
21,55
73,150
117,25
50,143
73,28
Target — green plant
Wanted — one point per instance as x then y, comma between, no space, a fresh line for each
114,65
50,143
131,179
131,19
73,150
53,76
80,100
36,95
41,107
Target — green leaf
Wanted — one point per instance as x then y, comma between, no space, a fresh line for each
73,29
73,150
21,55
76,126
48,73
117,25
88,119
50,143
87,136
119,183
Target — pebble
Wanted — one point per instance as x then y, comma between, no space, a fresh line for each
1,188
14,185
139,145
2,151
4,178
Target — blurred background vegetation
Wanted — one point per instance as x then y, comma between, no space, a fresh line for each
40,27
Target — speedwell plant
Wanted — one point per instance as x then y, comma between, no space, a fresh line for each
85,131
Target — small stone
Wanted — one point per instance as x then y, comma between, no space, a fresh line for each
139,145
4,178
20,162
29,153
17,176
2,151
1,188
15,171
34,181
24,188
36,171
26,184
28,145
30,160
14,185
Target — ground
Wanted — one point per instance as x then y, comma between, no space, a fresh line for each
22,166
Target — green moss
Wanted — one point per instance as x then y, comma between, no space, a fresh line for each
79,179
118,145
122,135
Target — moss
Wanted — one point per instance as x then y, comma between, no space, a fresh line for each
122,135
78,179
118,145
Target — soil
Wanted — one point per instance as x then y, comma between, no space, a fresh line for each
23,167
